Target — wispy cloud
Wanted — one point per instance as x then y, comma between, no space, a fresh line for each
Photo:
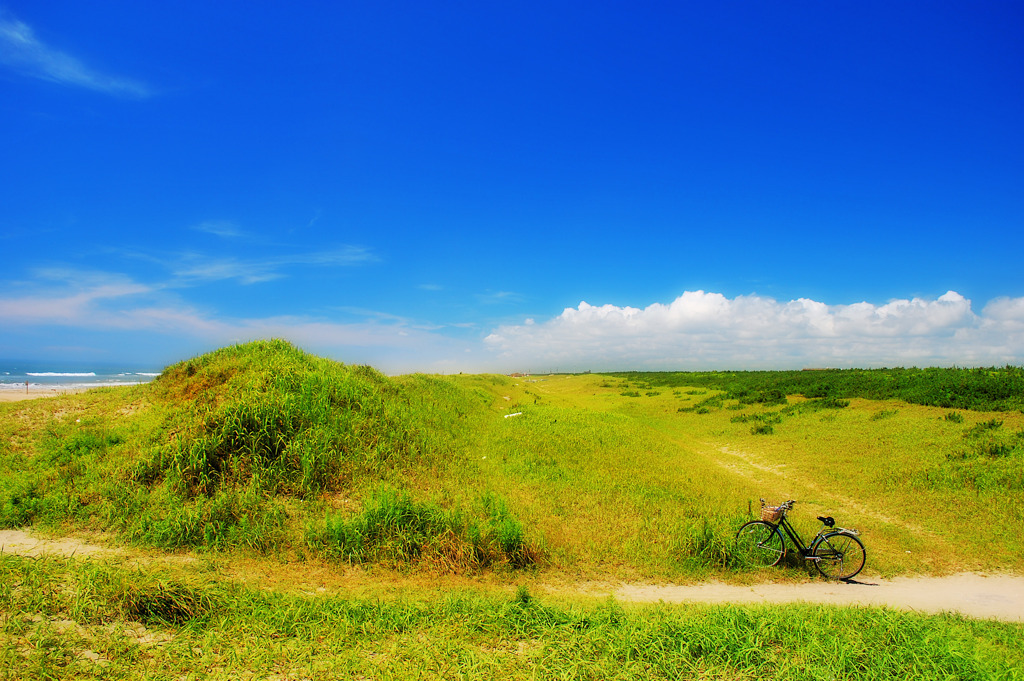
96,302
194,268
344,256
707,330
366,313
69,297
313,220
197,269
499,297
23,53
226,229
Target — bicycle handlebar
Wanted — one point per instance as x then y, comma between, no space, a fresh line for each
786,504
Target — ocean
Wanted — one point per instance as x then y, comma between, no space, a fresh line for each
60,375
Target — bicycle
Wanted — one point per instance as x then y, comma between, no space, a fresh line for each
836,551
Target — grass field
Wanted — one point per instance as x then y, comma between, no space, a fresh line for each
666,487
465,492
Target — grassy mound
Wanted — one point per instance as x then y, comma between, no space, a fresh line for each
270,417
247,446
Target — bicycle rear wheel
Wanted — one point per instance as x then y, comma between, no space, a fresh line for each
760,543
839,555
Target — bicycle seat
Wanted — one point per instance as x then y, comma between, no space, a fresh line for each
828,520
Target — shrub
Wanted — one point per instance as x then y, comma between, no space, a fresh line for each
982,389
983,427
767,397
991,459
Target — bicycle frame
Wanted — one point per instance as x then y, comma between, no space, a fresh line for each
794,536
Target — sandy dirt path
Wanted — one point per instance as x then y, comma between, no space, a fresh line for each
985,596
22,543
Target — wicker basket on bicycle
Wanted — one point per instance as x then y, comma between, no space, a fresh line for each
771,514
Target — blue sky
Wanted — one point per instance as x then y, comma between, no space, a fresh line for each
564,186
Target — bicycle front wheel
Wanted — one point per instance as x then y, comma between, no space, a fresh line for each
839,555
760,543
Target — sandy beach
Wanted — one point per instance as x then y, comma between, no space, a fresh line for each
32,393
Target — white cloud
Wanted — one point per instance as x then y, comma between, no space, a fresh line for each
1006,310
344,256
22,52
700,330
697,330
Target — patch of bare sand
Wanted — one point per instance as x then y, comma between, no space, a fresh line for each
18,394
22,543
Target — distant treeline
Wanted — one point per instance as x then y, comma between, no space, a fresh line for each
981,389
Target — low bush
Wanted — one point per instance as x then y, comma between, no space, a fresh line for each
990,459
981,389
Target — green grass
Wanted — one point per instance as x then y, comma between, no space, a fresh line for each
627,485
261,455
75,620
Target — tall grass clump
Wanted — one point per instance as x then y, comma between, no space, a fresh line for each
392,528
62,478
19,500
709,542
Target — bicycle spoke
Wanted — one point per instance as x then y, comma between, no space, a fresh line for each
759,543
839,556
